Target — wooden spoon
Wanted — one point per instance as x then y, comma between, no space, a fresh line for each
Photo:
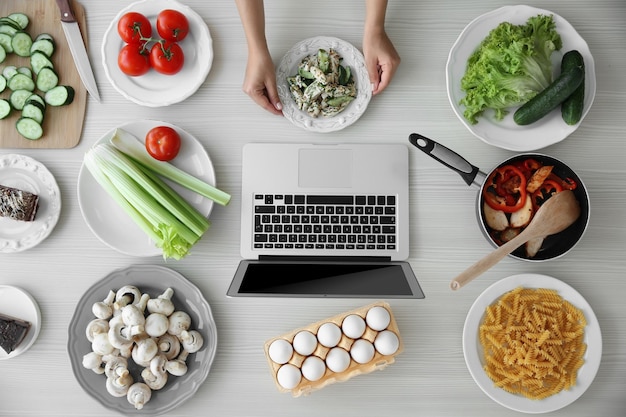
554,216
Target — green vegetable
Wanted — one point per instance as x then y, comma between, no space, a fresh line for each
550,98
172,223
572,107
510,66
132,147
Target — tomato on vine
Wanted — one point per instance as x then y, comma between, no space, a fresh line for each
133,26
133,59
172,25
167,57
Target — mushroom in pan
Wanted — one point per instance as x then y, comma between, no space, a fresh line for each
179,322
104,309
191,340
162,304
139,394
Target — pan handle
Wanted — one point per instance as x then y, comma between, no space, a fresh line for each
447,157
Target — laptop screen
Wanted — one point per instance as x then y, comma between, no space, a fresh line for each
325,278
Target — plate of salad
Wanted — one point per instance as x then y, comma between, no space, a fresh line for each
124,229
485,91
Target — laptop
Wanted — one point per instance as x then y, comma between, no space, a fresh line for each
325,220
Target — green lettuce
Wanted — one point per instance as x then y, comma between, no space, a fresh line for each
510,66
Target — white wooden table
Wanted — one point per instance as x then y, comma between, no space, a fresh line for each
430,377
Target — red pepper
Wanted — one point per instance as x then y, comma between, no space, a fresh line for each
547,190
505,189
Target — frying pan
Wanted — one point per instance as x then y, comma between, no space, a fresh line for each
553,246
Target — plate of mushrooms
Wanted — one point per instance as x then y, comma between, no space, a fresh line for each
142,340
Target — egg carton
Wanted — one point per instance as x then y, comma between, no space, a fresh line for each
312,357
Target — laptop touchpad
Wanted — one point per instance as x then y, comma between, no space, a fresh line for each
327,168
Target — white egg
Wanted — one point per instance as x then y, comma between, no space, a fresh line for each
280,351
378,318
362,351
288,376
387,342
329,334
313,368
337,359
353,326
305,343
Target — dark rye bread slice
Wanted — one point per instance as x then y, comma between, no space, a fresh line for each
12,332
18,204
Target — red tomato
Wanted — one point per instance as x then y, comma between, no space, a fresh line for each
132,26
133,60
172,25
163,143
167,58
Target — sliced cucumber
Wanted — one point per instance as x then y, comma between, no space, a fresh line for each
34,112
5,108
45,46
6,20
29,128
21,44
37,100
38,60
5,42
47,79
21,19
21,82
3,54
8,29
26,71
44,36
9,71
18,98
3,83
61,95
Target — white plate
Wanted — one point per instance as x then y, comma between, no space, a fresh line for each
352,57
25,173
154,89
506,133
474,354
17,303
152,280
110,223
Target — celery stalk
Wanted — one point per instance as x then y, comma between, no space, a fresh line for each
131,146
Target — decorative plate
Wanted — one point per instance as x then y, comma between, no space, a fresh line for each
17,303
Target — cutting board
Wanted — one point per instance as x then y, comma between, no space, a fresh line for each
62,125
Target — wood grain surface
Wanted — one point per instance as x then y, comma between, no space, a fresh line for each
62,125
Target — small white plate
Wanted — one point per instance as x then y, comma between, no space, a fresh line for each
17,303
154,89
152,280
473,352
25,173
108,221
506,133
352,57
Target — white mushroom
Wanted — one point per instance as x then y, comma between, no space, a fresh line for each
178,366
133,315
139,394
156,324
155,376
119,386
93,361
145,349
96,326
169,345
128,294
104,309
163,303
101,344
191,340
117,335
115,366
179,321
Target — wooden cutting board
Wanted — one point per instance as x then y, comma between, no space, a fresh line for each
62,125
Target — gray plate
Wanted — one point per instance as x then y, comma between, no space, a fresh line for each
153,280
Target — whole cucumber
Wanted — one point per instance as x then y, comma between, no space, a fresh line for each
549,99
572,107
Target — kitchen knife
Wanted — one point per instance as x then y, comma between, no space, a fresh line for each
77,47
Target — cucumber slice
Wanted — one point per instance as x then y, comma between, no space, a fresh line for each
21,82
6,20
5,42
18,98
3,83
9,71
29,128
38,61
47,79
44,36
5,108
21,44
45,46
34,112
37,100
8,29
26,71
20,18
3,54
61,95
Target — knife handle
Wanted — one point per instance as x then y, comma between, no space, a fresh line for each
66,11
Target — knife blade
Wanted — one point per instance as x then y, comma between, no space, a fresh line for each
77,47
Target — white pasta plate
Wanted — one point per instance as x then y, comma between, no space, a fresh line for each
25,173
473,351
506,133
108,221
17,303
352,57
154,89
152,280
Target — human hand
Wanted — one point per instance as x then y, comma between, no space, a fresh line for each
381,59
260,82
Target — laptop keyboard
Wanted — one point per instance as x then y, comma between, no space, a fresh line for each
335,222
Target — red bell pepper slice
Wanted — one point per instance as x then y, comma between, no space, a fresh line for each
505,189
